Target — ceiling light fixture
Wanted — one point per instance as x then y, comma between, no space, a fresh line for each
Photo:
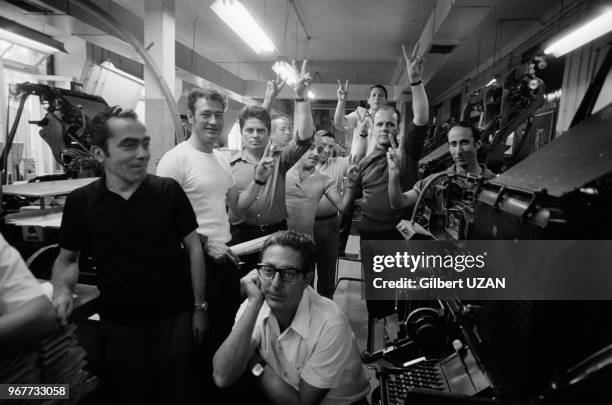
239,19
593,29
492,82
25,36
285,71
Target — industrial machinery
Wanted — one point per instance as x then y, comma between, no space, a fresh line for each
62,128
538,352
503,110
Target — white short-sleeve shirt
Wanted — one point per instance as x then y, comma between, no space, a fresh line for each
351,121
318,346
17,284
206,179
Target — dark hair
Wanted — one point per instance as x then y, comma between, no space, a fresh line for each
255,112
467,124
395,110
378,86
97,128
297,241
324,132
209,94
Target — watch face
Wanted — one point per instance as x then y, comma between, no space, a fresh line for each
202,307
257,370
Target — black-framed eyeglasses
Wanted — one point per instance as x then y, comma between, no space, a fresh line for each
287,274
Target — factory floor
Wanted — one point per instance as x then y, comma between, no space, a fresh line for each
349,297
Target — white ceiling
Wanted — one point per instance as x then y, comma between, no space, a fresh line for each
355,39
359,40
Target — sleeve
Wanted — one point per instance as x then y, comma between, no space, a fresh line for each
331,356
329,185
168,167
413,140
350,120
228,169
17,284
73,233
185,218
411,145
418,186
292,153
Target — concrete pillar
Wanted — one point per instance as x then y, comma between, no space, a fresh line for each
159,33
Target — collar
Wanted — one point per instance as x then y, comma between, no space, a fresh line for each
99,189
301,319
484,170
245,157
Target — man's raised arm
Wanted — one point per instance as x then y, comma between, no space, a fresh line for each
342,92
303,122
414,68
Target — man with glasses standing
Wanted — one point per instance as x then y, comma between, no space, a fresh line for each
297,345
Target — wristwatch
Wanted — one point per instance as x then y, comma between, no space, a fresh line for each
256,364
258,369
201,307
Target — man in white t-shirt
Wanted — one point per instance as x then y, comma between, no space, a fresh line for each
26,314
205,176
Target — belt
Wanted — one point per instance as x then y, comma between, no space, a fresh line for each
265,227
324,217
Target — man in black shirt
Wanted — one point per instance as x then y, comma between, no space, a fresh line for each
139,229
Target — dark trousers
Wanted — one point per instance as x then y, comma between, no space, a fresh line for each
326,236
243,233
346,221
381,308
223,297
149,363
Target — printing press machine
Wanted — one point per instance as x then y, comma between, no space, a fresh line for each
505,352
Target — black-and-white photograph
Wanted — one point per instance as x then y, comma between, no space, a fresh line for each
278,202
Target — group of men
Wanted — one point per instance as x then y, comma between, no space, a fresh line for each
169,280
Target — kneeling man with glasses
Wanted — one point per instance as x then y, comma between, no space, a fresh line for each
296,344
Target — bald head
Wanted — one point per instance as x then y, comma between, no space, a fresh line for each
385,124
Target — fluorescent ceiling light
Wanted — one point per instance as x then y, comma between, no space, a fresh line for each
238,18
285,71
591,30
22,35
492,82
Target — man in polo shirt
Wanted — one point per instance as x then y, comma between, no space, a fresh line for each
378,218
139,229
463,142
327,222
269,213
371,174
307,349
305,186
